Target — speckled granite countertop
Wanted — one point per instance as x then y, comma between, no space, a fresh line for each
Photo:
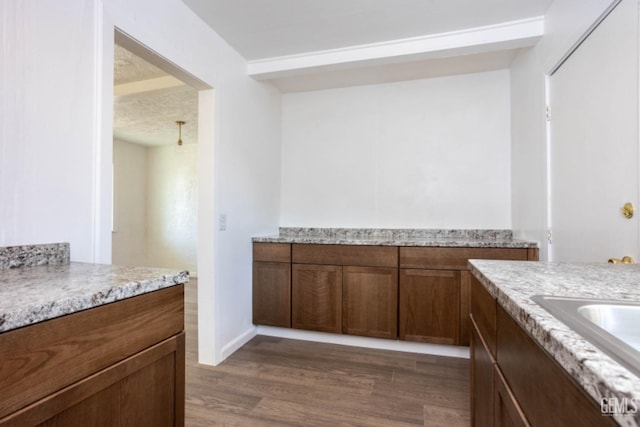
34,294
513,283
398,237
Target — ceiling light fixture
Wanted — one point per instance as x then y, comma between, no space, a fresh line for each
180,123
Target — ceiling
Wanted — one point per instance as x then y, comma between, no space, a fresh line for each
152,102
302,45
260,29
148,103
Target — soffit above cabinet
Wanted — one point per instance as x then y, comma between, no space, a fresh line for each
311,44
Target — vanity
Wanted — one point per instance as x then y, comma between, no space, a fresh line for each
528,368
406,284
89,344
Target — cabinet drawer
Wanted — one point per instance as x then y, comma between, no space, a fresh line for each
43,358
482,386
507,412
359,256
544,386
483,312
272,252
454,258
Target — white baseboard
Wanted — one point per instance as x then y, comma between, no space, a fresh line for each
378,343
234,345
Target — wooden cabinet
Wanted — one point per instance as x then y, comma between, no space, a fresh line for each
272,284
429,305
347,289
415,293
435,290
317,297
120,364
507,412
370,301
528,386
482,377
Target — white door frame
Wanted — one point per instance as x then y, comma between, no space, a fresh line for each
106,26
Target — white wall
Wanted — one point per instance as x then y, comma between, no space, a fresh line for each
565,22
155,206
172,221
129,204
431,153
56,143
47,121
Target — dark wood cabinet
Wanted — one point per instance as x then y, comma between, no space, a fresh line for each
435,290
98,366
429,305
366,279
507,412
370,301
272,294
544,386
514,381
482,387
316,297
420,294
272,284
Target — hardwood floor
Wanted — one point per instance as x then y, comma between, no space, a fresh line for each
276,382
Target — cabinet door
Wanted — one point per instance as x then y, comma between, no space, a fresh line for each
146,389
316,297
507,412
370,302
482,387
543,385
430,306
272,294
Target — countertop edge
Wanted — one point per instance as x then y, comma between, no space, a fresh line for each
551,334
33,314
512,244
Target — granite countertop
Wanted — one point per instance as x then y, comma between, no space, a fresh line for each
398,237
36,293
513,283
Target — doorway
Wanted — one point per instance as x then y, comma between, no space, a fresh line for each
154,165
205,177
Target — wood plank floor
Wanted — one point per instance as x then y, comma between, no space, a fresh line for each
281,382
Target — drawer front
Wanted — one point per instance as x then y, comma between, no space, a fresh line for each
540,384
43,358
454,258
359,256
483,312
272,252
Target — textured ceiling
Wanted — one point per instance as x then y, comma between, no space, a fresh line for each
149,118
261,29
128,67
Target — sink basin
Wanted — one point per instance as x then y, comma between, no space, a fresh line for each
612,326
621,321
